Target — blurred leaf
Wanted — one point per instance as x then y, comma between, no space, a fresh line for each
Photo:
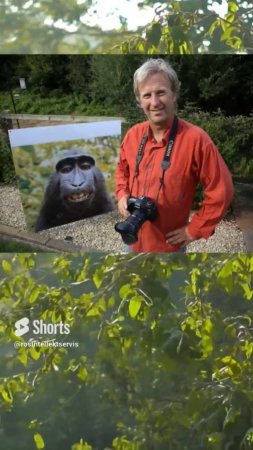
7,267
134,306
39,442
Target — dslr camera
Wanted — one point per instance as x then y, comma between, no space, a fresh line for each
141,209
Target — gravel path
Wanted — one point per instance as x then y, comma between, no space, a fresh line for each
98,232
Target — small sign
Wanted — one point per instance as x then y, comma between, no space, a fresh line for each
22,83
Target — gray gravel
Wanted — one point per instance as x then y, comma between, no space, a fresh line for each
98,232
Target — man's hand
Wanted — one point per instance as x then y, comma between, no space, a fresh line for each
180,236
122,206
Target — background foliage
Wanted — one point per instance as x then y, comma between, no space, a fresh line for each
186,26
216,94
208,81
164,358
195,26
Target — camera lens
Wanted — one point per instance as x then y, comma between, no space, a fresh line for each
128,236
141,209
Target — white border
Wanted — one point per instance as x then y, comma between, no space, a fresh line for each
54,133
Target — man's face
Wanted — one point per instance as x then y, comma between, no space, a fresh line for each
157,99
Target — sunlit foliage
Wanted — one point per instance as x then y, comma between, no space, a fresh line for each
179,26
164,358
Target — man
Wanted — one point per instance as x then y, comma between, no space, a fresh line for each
193,158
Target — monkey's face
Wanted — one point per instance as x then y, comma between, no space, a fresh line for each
76,180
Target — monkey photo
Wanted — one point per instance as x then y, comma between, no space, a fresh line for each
76,190
65,172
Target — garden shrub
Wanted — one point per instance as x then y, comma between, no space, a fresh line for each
232,135
7,172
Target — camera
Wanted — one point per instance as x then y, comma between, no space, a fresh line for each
141,209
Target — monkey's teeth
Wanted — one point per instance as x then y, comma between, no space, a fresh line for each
79,197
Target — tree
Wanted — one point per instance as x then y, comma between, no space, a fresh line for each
113,87
221,80
164,357
46,27
45,73
186,26
78,74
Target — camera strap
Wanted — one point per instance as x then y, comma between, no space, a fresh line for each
169,147
166,159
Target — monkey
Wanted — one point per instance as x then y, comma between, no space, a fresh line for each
76,190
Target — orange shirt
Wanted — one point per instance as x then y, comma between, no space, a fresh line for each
194,158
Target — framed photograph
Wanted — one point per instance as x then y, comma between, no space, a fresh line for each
65,172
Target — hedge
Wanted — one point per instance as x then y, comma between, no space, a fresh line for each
232,135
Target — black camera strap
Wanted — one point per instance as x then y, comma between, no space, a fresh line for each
166,159
169,147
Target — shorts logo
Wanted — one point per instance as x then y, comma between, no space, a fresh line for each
22,326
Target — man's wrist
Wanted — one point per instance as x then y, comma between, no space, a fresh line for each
122,194
188,234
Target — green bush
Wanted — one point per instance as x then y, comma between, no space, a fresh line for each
7,172
30,103
232,135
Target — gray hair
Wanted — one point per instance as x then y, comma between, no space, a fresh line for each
151,67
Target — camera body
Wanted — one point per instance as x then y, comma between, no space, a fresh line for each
145,205
141,209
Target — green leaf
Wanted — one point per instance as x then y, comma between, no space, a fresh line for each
39,442
81,445
134,306
61,263
227,34
30,263
7,396
207,345
111,302
34,295
176,6
232,6
35,353
23,357
125,290
230,18
235,42
82,374
7,267
248,293
93,312
127,342
98,277
225,276
247,347
247,438
125,48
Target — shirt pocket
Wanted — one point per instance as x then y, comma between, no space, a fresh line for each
178,189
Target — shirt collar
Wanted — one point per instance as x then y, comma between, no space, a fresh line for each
165,134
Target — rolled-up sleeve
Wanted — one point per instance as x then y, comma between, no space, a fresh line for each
218,193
